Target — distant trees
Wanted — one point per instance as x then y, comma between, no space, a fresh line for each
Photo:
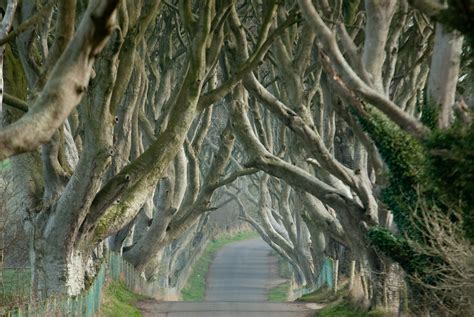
349,120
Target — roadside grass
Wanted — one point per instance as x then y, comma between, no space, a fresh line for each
280,292
338,304
118,301
195,289
323,295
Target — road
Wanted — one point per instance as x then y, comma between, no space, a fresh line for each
241,272
237,283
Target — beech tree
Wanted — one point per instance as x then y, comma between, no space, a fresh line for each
349,121
103,164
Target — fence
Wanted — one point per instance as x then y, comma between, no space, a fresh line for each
15,286
86,304
325,278
16,289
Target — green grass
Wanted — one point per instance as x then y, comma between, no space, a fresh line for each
280,292
118,301
323,295
195,288
337,304
346,309
342,309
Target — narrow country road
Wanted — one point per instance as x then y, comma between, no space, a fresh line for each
237,285
241,272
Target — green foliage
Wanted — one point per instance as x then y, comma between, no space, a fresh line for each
435,175
430,114
195,289
450,170
401,251
460,16
404,157
14,75
118,301
350,10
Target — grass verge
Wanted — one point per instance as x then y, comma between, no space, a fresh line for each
337,304
195,288
280,292
118,301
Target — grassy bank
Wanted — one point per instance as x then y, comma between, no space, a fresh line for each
280,292
196,285
337,304
118,301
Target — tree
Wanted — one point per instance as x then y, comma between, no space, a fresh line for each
346,109
100,167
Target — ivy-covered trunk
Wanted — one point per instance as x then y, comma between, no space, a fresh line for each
379,281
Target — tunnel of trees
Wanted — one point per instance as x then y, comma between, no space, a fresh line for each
334,127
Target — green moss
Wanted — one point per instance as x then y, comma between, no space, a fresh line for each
350,9
14,75
195,289
118,301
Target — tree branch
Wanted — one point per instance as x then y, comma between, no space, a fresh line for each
67,84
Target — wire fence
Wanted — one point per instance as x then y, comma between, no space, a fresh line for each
16,300
325,279
15,286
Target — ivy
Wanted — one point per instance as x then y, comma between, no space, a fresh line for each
460,16
405,159
450,170
401,251
438,170
430,113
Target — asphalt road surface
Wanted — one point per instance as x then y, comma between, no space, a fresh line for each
237,283
241,272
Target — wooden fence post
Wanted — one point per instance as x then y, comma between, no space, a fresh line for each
352,273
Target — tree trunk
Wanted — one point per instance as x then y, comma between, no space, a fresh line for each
444,73
56,271
382,280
